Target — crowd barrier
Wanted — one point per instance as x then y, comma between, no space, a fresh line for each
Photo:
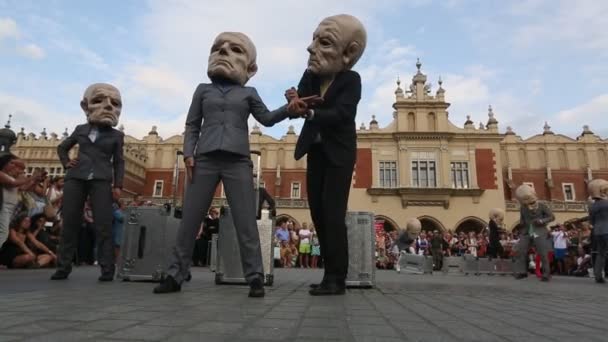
467,265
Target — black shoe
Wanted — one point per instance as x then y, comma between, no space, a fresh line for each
328,289
544,279
521,276
600,280
60,275
106,277
256,288
168,285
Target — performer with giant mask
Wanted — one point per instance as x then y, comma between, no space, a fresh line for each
534,218
219,151
497,218
598,217
329,138
96,173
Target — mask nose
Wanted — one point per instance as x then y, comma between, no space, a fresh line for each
224,49
107,103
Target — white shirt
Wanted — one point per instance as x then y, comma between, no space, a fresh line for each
559,240
304,235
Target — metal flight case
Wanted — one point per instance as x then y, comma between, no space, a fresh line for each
148,238
361,249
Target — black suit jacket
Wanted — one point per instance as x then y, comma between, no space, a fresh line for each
334,119
103,158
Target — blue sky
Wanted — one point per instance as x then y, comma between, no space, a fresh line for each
532,60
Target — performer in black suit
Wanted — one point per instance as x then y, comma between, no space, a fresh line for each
329,138
99,164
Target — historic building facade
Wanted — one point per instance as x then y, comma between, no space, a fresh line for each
420,165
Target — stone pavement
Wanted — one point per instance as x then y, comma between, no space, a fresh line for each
401,308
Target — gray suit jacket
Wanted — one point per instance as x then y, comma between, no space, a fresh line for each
527,218
223,112
102,158
598,217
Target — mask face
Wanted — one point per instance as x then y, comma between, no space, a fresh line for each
326,49
531,202
102,104
232,57
499,219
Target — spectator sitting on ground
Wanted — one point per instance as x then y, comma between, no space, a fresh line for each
38,229
15,252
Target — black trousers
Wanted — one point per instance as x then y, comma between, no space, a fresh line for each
328,188
75,194
201,249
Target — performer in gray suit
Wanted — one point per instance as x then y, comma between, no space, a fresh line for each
598,217
534,218
219,151
99,163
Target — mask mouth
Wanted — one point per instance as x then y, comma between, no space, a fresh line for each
223,62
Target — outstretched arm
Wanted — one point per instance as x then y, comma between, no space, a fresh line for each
262,114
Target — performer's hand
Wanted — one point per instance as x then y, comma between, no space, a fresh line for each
189,168
72,163
291,94
297,107
116,193
538,222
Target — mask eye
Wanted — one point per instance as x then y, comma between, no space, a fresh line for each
237,49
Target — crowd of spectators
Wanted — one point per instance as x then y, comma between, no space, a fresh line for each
572,252
296,246
31,218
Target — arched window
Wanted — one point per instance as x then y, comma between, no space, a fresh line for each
523,158
431,122
542,158
562,158
601,158
411,122
582,158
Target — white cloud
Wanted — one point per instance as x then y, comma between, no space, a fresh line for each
587,113
85,55
560,22
35,116
32,51
8,28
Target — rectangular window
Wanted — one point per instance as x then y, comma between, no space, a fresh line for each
388,174
424,170
459,175
158,188
568,189
295,190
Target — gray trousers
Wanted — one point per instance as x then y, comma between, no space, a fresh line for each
236,173
542,243
75,193
600,259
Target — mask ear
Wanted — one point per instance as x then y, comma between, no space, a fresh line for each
252,70
85,106
350,54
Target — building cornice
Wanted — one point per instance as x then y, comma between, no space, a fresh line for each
426,196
